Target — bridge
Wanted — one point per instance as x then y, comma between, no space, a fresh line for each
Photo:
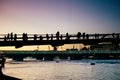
19,40
55,40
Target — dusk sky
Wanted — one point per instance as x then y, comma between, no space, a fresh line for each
50,16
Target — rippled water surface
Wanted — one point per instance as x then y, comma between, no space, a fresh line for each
65,70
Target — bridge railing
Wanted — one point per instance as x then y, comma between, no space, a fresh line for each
20,37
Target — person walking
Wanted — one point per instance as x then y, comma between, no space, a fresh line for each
57,35
78,35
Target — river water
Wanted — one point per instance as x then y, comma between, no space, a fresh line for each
65,70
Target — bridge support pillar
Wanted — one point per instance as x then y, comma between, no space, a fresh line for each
55,48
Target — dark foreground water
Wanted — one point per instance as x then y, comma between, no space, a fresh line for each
65,70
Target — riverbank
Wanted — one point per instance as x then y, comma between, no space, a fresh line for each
5,77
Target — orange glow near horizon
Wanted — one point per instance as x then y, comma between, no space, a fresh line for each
45,47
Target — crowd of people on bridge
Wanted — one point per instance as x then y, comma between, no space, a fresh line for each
57,36
10,37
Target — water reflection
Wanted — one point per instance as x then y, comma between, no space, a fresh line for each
65,70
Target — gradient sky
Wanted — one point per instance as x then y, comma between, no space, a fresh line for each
50,16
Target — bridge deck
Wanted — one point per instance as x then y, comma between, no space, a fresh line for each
19,40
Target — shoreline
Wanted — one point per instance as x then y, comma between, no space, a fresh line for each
6,77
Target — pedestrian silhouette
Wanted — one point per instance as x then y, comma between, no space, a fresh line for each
67,36
15,37
61,37
95,36
87,36
51,36
98,36
8,37
35,37
83,35
113,35
78,35
57,35
47,36
41,38
11,36
5,38
25,37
